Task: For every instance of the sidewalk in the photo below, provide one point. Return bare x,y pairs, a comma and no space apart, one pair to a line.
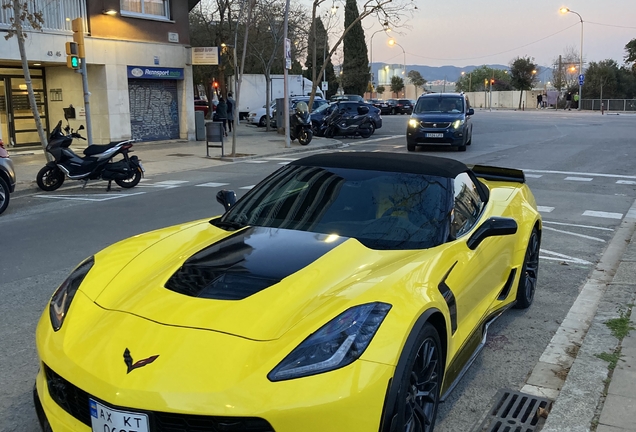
163,157
599,393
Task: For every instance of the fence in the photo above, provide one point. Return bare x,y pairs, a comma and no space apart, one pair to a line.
57,14
609,104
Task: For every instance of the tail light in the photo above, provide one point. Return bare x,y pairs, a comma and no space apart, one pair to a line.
126,146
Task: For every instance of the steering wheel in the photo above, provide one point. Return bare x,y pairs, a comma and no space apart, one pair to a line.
393,209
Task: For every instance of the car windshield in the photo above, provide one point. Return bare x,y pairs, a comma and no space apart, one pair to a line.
382,210
322,108
442,104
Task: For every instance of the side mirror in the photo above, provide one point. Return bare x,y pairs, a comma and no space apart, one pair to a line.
80,128
471,111
494,226
227,198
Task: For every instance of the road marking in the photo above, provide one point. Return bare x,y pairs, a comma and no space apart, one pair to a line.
171,182
578,178
560,257
247,187
579,226
575,234
284,163
579,173
544,209
387,138
95,198
602,214
255,161
533,175
398,146
212,184
626,182
281,159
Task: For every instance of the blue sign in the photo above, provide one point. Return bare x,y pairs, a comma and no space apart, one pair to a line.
581,79
144,72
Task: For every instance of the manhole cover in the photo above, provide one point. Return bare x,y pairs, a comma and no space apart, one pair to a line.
515,412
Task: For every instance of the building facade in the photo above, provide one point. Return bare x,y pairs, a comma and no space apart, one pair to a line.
138,66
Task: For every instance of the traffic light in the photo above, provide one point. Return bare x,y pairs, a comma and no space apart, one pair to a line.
492,81
72,58
215,85
78,36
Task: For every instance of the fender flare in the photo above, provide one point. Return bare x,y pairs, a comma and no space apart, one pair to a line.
392,389
51,164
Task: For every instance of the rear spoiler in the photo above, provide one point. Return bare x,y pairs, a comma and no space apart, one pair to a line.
498,173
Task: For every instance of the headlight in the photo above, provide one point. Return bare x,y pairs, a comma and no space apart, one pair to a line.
413,123
63,296
457,124
336,344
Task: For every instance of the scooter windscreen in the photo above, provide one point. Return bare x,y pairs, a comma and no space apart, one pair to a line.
301,108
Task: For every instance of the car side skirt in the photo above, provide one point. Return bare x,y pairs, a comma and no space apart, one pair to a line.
469,352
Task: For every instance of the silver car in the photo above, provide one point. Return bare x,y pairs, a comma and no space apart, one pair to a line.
7,178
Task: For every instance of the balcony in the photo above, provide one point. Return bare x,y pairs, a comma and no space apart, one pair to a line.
57,14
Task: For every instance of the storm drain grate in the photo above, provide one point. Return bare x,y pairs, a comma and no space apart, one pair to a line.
515,412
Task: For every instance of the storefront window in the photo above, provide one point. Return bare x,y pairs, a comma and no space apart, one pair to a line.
146,8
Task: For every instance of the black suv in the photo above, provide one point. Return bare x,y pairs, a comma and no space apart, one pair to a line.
440,118
399,106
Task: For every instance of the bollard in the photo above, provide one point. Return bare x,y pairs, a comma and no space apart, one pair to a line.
523,106
602,108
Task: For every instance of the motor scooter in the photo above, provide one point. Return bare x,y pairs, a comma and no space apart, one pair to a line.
97,163
340,123
300,124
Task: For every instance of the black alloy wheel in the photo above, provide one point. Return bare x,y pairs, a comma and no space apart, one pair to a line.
420,386
529,272
49,178
4,195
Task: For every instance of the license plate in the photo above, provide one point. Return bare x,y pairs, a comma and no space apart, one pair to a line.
105,419
434,135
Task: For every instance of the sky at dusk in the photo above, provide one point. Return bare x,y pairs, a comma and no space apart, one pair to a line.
465,32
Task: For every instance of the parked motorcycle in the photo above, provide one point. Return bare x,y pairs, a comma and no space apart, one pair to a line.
7,178
96,164
300,124
339,122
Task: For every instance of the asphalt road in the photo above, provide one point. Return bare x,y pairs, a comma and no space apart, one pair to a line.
579,166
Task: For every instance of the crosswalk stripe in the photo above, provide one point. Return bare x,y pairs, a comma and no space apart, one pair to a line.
544,209
626,182
533,175
212,184
585,179
247,187
601,214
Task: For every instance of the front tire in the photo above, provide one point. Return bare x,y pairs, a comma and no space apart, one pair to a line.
131,181
4,195
262,122
50,178
410,146
529,272
420,385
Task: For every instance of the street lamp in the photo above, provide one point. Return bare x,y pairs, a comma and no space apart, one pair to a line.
565,10
386,29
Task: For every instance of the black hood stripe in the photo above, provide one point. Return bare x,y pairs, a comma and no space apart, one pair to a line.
249,261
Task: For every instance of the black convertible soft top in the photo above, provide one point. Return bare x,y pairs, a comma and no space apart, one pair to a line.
391,162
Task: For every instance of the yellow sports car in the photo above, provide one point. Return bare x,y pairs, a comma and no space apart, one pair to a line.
347,292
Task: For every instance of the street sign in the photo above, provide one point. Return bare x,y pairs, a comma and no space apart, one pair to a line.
581,79
325,86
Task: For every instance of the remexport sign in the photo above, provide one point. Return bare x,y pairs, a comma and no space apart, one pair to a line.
143,72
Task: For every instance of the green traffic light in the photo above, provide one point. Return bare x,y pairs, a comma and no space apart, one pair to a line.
75,62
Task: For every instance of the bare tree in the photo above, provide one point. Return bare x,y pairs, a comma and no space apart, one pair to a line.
23,18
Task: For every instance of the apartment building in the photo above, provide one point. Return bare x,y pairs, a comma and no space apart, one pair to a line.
138,67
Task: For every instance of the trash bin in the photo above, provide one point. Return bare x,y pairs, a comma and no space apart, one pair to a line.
214,134
199,125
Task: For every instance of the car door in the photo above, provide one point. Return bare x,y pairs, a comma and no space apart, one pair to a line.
477,276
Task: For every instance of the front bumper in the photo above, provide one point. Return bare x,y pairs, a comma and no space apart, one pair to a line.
199,375
420,135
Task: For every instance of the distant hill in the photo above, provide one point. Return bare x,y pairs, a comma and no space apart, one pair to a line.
431,73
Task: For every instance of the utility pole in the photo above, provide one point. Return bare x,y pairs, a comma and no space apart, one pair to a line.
286,84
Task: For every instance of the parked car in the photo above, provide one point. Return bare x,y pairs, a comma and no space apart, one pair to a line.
202,105
318,102
318,116
259,117
441,118
399,106
7,178
347,97
381,105
346,291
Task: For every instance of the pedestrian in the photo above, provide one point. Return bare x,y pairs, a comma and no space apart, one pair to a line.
576,100
568,102
221,111
539,101
230,111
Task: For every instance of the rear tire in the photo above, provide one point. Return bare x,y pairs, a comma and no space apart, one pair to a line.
365,133
132,181
4,195
529,272
50,178
372,127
